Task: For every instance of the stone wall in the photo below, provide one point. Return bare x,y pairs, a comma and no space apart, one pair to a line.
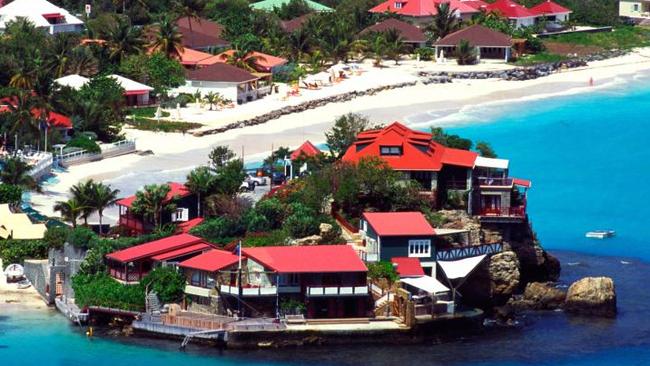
38,273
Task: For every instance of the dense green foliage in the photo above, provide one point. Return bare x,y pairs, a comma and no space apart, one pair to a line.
149,124
448,140
620,38
167,282
81,237
56,236
15,172
382,270
102,290
10,194
16,251
344,132
485,149
85,143
157,70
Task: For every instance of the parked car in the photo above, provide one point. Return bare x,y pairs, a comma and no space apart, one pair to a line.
257,180
278,178
246,186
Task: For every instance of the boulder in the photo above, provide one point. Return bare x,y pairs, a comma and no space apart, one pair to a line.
592,296
325,228
540,296
536,264
308,240
504,274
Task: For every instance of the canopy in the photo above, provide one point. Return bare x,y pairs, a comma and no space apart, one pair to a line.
18,225
491,163
460,268
427,284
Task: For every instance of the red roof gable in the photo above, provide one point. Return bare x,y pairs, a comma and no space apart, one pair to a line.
54,119
399,223
176,190
185,227
307,149
510,9
421,8
408,32
182,252
263,62
408,267
153,248
418,150
307,258
211,261
548,8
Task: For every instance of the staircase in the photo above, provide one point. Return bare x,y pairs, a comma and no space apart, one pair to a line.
153,306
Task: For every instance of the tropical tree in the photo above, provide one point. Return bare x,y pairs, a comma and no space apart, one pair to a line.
167,39
59,51
465,53
15,171
190,9
101,197
445,20
70,210
242,58
201,181
344,132
151,203
81,61
219,156
123,39
376,47
211,98
20,121
82,193
395,46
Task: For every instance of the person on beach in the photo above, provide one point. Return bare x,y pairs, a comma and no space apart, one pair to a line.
591,81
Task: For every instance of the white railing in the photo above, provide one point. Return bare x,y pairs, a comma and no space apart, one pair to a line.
43,163
337,291
123,146
249,291
120,145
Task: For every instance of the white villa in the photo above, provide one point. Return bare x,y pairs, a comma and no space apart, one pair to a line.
230,82
136,94
636,9
43,14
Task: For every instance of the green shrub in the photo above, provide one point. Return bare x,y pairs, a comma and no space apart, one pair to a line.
219,230
271,209
539,58
81,237
167,282
149,112
102,290
84,143
301,222
16,251
289,73
426,53
147,124
10,194
382,270
56,236
276,237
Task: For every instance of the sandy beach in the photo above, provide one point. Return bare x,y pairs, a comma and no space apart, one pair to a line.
175,154
12,298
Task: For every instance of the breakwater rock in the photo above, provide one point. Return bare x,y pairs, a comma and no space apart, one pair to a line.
521,73
302,107
592,296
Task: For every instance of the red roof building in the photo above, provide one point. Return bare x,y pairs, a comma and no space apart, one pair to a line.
54,119
399,223
518,14
490,43
211,261
306,149
263,62
204,34
132,264
422,11
408,267
176,190
551,10
307,258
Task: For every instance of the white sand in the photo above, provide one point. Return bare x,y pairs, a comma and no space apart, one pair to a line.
13,299
176,154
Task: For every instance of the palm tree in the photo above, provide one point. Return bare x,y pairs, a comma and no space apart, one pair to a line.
465,53
376,47
445,20
70,210
395,46
23,123
201,181
212,98
123,39
82,62
152,202
58,53
242,58
82,193
167,38
190,9
15,172
101,197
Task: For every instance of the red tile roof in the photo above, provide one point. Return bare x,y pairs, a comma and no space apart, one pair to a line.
399,223
205,33
185,227
408,32
306,149
549,8
263,62
295,23
408,267
177,190
307,258
190,57
200,247
477,35
421,8
220,72
54,119
153,248
510,9
476,4
211,261
419,152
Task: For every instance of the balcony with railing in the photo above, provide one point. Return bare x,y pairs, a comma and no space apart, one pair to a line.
320,291
494,182
515,212
127,276
249,290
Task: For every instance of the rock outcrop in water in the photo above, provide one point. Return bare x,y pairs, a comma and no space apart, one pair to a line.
539,296
504,274
592,296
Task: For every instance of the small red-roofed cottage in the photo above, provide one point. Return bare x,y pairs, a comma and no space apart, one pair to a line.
329,280
409,33
186,210
408,267
130,265
551,11
421,12
301,154
519,15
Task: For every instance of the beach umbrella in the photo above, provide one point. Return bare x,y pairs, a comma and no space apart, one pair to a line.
158,113
178,111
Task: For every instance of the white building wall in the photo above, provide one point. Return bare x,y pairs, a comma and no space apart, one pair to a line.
227,90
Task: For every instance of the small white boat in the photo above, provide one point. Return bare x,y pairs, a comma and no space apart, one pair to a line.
14,272
600,234
23,284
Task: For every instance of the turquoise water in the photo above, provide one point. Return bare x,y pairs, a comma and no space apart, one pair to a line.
589,162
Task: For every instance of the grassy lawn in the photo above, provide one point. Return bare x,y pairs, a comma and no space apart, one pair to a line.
539,58
149,112
620,38
147,124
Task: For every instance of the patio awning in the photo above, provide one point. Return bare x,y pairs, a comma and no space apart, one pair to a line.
522,182
460,268
443,231
427,284
491,163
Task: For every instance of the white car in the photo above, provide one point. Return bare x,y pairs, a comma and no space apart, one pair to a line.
247,186
257,181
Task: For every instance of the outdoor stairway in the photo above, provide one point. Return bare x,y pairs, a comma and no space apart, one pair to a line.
153,306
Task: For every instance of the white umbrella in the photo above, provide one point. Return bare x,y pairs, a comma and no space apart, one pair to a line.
158,113
178,111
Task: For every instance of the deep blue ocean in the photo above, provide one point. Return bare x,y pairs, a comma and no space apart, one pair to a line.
589,160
